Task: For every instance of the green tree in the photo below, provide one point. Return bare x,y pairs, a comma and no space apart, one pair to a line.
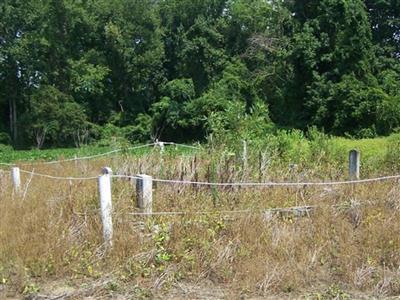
169,118
193,44
14,15
55,118
180,69
332,44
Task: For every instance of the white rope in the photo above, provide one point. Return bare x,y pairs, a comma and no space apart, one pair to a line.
225,212
180,145
125,176
264,212
101,154
225,184
182,213
89,157
265,184
76,158
57,177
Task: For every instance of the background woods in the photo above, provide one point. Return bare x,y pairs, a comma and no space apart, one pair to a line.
72,72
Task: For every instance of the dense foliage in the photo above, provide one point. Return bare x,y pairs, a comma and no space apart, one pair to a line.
74,71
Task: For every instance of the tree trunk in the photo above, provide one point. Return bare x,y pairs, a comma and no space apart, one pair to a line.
13,119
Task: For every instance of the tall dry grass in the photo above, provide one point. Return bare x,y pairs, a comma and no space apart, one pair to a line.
350,242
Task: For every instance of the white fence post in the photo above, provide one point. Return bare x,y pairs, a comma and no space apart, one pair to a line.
354,165
16,178
244,160
244,153
144,193
161,144
104,182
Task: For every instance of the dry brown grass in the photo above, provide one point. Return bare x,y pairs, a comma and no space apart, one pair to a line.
52,230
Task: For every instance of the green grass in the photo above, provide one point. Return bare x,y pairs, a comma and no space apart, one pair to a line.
368,147
8,155
373,152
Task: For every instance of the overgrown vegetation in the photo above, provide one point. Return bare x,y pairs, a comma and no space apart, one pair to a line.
349,245
182,69
275,91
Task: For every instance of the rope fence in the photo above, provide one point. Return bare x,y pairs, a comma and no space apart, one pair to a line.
58,177
160,144
217,184
144,191
264,184
306,208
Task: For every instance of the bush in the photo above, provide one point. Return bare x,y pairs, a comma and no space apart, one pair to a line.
114,136
5,148
321,145
5,138
234,124
392,157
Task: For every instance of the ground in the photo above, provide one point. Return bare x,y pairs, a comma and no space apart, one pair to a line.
205,290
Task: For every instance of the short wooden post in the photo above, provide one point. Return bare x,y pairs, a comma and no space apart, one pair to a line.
354,165
144,193
104,182
16,178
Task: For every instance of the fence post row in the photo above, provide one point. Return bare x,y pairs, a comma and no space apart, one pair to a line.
104,183
144,190
16,178
354,165
144,193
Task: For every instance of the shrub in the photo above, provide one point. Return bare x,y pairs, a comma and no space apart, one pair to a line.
5,148
392,157
114,136
4,138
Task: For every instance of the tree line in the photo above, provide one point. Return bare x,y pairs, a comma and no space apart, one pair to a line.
75,71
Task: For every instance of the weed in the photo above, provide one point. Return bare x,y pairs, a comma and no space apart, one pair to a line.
31,288
352,237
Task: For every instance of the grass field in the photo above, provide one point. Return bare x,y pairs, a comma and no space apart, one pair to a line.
369,147
347,247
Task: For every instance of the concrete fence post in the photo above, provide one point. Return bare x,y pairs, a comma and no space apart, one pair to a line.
104,183
354,165
16,178
144,193
159,144
244,142
244,162
162,147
